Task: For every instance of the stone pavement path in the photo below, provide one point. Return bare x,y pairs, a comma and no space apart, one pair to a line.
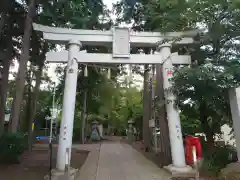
118,161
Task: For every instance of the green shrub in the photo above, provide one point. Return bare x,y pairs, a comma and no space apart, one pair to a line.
209,166
219,159
221,156
12,145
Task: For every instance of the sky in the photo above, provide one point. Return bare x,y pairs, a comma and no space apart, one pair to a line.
109,3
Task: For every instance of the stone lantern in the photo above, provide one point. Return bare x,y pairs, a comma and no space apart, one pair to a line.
130,131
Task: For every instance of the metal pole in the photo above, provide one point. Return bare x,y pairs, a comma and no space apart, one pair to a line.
53,107
50,167
50,136
83,115
130,76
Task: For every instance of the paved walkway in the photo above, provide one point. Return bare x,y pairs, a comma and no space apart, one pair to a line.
117,161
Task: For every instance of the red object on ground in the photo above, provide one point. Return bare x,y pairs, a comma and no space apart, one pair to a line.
190,142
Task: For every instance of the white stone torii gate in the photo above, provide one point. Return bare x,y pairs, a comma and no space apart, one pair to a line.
121,39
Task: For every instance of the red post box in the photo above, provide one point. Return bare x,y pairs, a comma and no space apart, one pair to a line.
190,143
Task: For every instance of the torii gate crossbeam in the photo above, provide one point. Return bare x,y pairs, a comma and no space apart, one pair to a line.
83,57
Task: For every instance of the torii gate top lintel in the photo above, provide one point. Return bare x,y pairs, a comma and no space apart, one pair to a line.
121,40
99,37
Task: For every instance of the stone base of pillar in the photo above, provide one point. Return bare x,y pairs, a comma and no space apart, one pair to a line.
60,175
186,171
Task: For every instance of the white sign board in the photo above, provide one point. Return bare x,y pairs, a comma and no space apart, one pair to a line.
152,123
7,117
54,113
121,43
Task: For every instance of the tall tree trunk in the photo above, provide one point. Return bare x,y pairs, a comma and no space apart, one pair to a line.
206,127
83,116
6,61
39,57
146,110
2,23
165,149
20,82
34,107
28,93
4,86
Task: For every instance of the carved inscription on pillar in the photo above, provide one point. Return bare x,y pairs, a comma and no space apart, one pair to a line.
178,127
169,97
70,70
64,132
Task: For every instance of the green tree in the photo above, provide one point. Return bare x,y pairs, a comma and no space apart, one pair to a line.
16,106
10,32
77,14
202,89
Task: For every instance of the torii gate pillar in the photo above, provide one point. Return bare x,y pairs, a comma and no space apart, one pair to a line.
69,98
234,96
174,125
